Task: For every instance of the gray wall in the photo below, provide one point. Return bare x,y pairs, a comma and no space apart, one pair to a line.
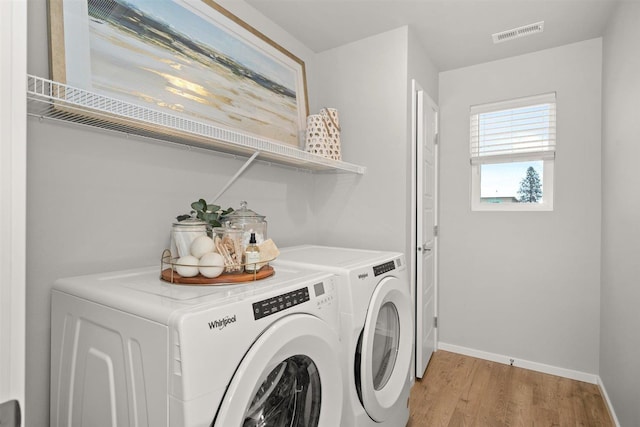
525,284
99,202
368,81
620,317
421,68
369,93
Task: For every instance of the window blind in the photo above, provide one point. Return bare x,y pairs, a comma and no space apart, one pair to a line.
523,128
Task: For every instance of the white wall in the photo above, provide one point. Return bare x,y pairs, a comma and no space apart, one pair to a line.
525,284
99,202
620,346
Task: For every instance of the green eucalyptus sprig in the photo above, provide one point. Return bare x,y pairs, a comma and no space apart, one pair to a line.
208,213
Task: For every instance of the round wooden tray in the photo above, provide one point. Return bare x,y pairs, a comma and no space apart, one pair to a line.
224,279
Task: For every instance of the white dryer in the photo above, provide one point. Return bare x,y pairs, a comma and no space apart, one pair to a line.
128,349
376,329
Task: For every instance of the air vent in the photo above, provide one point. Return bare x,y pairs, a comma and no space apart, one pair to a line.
515,33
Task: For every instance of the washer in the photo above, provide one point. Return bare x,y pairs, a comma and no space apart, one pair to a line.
131,350
376,329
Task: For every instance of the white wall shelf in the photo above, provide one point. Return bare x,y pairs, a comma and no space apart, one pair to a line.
57,101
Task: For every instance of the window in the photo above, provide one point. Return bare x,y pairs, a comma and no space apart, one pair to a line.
512,154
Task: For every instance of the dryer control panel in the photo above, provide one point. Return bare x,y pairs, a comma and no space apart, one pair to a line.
383,268
278,303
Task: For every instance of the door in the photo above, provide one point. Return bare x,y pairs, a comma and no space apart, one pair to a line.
291,376
425,292
13,115
386,348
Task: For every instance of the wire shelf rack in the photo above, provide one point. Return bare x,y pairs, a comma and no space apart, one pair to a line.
61,102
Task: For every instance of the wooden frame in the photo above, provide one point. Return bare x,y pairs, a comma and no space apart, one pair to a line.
190,58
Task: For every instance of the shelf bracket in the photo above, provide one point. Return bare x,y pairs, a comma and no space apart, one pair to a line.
234,177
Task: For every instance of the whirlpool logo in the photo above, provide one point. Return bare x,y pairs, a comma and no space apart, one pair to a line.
222,323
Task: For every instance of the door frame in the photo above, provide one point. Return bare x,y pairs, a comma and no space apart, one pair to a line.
415,176
13,166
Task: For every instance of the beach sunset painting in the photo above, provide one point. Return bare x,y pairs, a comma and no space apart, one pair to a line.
176,56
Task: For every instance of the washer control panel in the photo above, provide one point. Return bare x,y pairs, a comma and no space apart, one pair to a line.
323,298
278,303
383,268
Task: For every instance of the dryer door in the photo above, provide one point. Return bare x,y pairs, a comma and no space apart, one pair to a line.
290,376
386,348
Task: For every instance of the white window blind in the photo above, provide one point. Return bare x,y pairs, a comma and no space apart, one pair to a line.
512,130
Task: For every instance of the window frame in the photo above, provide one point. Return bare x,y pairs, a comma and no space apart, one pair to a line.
546,154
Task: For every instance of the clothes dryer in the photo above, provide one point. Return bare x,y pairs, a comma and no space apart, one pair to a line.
131,350
376,329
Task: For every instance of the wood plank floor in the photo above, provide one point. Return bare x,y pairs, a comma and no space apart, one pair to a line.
459,390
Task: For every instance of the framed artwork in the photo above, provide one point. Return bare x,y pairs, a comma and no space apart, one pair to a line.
190,58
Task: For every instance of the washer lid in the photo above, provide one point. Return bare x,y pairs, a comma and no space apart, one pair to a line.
387,344
143,293
291,375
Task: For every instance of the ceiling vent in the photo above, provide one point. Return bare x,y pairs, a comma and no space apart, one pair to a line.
515,33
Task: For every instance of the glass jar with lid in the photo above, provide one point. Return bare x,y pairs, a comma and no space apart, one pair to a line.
249,222
184,232
228,242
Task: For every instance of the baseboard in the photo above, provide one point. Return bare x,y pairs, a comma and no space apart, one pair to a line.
603,391
526,364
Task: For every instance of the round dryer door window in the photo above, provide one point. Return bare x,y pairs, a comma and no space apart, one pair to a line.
290,376
386,340
290,395
385,349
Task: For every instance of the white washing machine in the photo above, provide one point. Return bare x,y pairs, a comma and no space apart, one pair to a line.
376,329
128,349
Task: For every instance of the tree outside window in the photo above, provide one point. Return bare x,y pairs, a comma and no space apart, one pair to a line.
530,189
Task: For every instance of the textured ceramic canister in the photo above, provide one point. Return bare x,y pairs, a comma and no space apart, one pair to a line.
323,134
332,122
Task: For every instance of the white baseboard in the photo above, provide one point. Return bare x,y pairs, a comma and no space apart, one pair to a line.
603,390
526,364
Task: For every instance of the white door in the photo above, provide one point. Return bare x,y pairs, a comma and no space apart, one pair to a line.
426,119
13,116
291,376
386,348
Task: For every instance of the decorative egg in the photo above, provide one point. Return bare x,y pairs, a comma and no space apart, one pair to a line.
202,245
187,266
211,265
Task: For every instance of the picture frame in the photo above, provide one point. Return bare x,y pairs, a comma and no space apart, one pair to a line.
190,58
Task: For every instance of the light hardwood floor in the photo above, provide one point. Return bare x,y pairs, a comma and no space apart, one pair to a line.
459,390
